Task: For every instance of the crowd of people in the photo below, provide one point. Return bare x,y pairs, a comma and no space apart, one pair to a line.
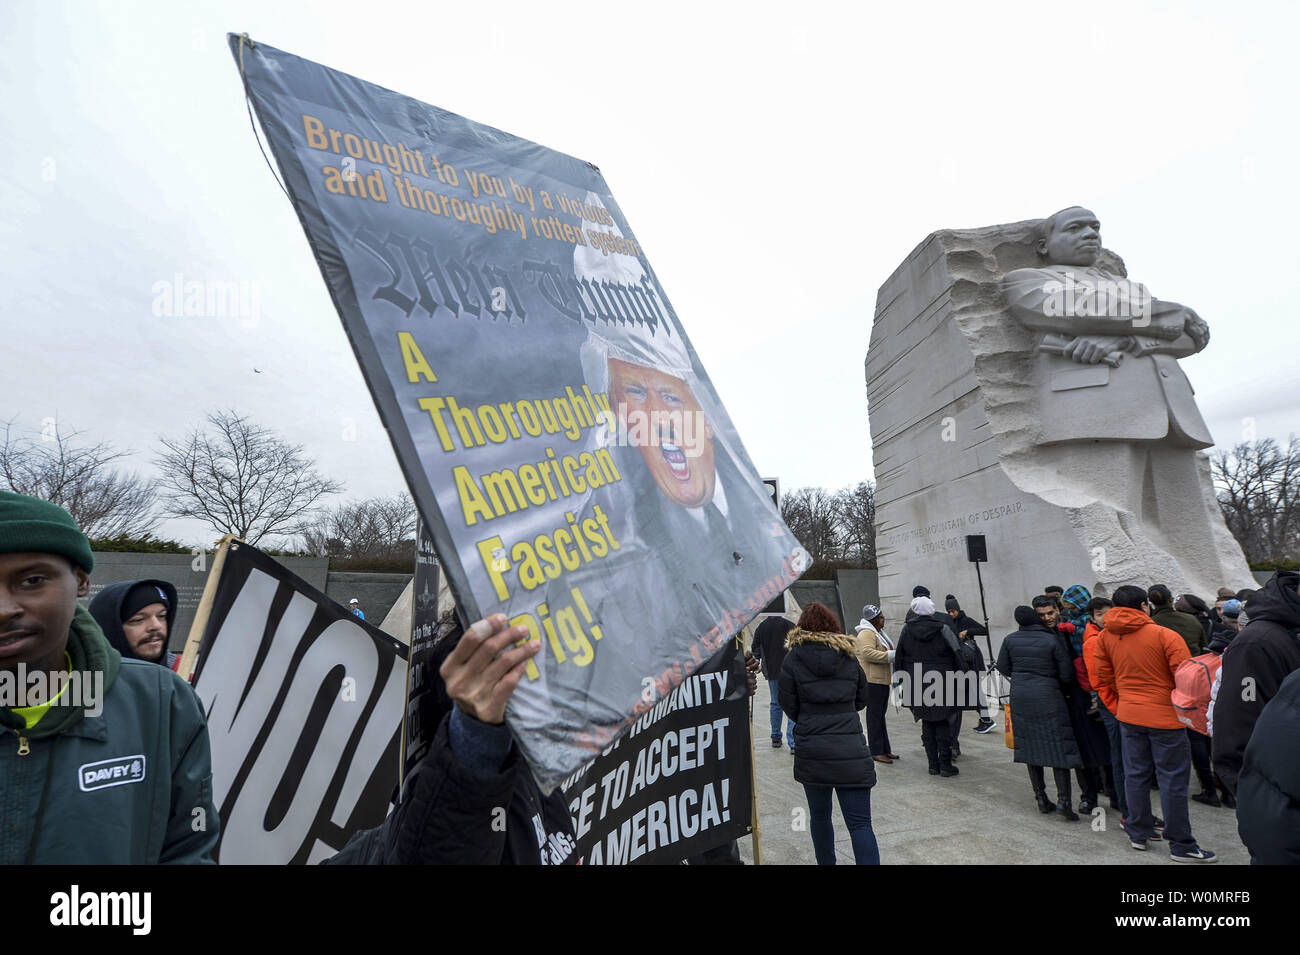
1141,690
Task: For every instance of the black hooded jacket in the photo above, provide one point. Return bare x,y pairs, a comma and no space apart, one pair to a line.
1254,666
922,649
1268,790
106,608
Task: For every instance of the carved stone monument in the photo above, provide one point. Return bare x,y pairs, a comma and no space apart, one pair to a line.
1021,387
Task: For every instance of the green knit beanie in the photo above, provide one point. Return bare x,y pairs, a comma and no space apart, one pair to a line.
30,524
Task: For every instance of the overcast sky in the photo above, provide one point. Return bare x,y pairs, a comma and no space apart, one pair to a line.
776,161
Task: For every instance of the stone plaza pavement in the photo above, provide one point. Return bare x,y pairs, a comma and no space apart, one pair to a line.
985,815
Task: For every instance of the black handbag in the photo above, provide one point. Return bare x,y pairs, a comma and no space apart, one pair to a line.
968,657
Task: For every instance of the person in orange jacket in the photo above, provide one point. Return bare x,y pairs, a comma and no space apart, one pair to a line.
1135,659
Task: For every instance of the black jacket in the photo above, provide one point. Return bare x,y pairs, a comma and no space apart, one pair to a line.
448,814
1268,790
1039,669
106,608
965,622
1221,637
922,650
1254,666
821,689
1089,732
769,645
973,629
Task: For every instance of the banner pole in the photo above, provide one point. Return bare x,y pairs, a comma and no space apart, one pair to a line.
410,654
756,830
200,623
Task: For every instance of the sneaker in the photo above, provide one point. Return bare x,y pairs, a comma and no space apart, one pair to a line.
1140,846
1159,824
950,771
776,742
985,725
1208,799
1196,855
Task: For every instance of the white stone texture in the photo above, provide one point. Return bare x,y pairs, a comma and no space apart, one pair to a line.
952,385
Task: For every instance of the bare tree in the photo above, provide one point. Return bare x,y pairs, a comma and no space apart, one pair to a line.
241,478
857,508
1258,487
812,514
375,527
79,477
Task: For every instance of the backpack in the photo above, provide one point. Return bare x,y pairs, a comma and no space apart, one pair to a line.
1191,694
967,656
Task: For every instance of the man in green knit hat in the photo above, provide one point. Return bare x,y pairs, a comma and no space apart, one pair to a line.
102,760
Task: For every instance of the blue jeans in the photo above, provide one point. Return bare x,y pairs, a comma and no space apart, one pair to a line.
777,713
1165,753
1116,758
855,804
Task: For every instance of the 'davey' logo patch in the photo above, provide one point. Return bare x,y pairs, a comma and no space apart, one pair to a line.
111,772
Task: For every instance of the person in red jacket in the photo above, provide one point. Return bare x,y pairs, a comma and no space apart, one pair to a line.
1135,660
1097,609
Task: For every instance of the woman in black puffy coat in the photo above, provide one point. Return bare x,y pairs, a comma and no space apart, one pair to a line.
821,689
1037,665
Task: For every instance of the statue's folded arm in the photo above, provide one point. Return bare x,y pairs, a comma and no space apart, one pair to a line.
1041,301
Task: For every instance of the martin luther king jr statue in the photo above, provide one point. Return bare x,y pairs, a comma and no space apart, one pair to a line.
1021,386
1119,419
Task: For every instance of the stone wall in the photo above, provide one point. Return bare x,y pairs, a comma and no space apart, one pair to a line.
189,575
855,588
376,592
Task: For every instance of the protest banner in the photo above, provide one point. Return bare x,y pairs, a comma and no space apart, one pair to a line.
304,709
679,782
556,428
416,737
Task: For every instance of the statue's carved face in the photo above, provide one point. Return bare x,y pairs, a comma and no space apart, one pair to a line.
1075,239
